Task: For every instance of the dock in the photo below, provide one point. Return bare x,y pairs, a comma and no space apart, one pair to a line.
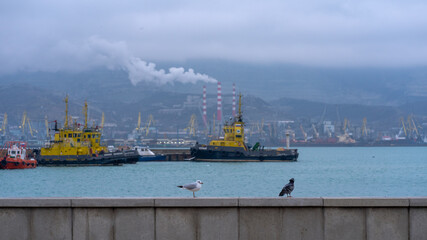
173,154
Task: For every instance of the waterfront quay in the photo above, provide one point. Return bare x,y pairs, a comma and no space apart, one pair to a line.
213,218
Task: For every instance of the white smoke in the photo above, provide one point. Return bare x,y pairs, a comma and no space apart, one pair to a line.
116,55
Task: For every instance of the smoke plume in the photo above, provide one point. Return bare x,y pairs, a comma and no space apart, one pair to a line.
116,55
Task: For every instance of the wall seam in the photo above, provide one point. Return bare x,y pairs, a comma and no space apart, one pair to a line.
409,222
72,223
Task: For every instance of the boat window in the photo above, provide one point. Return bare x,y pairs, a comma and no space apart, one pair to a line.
238,136
79,135
65,135
75,135
13,152
96,140
70,135
88,136
93,135
78,139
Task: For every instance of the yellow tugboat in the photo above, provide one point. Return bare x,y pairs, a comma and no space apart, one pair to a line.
234,149
76,145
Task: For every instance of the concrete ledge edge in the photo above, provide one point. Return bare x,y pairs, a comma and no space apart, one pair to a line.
213,202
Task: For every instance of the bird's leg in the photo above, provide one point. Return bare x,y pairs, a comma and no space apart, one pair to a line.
194,196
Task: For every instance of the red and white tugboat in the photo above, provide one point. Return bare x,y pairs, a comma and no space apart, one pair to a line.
16,157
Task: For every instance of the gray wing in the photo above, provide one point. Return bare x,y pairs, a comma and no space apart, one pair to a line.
190,186
287,189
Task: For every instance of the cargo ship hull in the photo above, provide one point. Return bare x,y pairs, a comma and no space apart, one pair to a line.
228,154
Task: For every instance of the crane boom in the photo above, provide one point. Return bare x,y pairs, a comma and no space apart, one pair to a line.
138,126
3,127
46,123
29,127
24,118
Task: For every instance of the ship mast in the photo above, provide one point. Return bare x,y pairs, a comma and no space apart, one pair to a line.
85,113
66,111
240,108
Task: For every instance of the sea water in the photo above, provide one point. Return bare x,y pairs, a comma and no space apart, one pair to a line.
319,172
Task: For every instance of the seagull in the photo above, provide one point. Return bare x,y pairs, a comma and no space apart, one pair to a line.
288,188
194,187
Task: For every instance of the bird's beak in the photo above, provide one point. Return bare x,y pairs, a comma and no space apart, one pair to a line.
201,182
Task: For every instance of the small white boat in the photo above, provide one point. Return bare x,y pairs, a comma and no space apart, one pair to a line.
145,154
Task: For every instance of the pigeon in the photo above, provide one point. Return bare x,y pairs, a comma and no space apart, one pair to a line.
288,188
194,187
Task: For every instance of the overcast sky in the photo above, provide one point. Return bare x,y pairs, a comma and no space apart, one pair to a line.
52,35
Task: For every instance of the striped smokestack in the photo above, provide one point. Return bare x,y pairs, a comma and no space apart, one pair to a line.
205,119
219,102
234,99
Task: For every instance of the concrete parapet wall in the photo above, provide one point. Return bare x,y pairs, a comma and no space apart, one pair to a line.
213,218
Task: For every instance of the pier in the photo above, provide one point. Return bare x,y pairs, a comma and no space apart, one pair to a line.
213,218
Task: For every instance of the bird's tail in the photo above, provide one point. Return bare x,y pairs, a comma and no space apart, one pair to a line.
180,186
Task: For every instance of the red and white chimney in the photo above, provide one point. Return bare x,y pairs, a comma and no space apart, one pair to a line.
205,119
219,104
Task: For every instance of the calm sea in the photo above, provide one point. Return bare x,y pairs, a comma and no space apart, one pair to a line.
319,172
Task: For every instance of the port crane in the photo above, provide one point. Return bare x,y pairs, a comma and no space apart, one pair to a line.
24,119
102,120
364,130
46,123
3,127
147,128
303,132
192,126
138,126
316,133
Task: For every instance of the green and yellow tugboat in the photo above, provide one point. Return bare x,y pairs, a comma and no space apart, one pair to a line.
234,149
76,145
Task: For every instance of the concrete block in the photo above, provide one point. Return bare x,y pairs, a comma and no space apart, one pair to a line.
15,223
80,224
261,223
418,202
51,223
281,223
112,202
93,223
418,223
366,202
196,223
303,223
218,223
345,223
387,223
280,202
176,223
134,223
196,202
35,202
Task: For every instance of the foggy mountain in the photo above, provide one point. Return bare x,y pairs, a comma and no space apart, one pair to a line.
275,92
